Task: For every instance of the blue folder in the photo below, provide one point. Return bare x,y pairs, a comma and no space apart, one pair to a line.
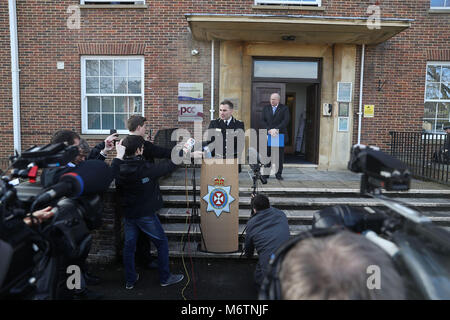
277,141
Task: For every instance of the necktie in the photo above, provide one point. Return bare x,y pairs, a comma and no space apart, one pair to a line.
274,109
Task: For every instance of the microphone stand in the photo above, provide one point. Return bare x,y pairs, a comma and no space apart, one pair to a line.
195,217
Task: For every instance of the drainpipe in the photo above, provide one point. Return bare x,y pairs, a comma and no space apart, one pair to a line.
361,81
212,81
15,74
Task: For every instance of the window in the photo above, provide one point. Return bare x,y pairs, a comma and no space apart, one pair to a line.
292,2
437,96
112,89
112,2
285,69
440,4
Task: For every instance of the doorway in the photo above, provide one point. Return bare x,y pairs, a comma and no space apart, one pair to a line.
297,81
302,99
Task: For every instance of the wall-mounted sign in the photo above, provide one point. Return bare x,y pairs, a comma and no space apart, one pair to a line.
190,112
190,91
369,111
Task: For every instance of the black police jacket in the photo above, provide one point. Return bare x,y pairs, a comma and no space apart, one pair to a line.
138,186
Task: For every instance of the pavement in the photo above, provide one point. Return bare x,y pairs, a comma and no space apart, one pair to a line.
204,279
295,176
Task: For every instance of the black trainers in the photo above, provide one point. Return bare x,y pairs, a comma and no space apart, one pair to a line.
129,285
174,278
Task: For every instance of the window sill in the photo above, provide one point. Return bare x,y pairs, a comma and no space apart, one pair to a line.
439,11
277,7
114,6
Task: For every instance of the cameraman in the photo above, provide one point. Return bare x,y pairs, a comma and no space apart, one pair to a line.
337,267
267,230
50,176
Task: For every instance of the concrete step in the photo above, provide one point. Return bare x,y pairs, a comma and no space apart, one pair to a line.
295,192
179,215
315,203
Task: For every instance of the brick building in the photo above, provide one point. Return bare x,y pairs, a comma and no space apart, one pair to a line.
87,65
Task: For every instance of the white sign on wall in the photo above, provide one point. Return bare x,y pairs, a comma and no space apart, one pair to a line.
190,91
190,112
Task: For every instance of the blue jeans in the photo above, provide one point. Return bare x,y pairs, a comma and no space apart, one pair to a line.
152,227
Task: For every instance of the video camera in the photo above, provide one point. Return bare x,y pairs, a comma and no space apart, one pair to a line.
419,249
256,168
31,255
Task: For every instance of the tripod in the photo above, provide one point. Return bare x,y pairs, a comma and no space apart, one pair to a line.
195,218
255,178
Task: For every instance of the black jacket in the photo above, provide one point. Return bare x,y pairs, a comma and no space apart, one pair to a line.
137,185
267,230
234,125
279,120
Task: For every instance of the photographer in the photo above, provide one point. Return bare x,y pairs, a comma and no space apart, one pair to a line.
50,176
137,185
267,230
336,267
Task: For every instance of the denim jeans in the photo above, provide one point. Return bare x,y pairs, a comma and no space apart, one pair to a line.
152,227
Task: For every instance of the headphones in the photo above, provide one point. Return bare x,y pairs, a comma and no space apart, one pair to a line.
271,287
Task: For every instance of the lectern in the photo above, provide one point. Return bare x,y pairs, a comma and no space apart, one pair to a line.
219,205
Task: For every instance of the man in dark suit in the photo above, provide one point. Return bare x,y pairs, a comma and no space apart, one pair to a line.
275,118
227,123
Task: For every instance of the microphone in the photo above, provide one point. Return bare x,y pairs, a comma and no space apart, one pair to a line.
90,176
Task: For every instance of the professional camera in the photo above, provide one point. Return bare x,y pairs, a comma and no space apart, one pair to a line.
256,168
33,255
419,249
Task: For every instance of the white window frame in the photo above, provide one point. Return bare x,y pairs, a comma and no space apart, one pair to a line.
436,63
445,7
84,95
86,2
287,2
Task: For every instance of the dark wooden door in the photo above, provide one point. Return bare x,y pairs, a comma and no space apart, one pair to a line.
261,92
312,123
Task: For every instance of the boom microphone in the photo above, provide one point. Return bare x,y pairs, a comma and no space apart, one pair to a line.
91,176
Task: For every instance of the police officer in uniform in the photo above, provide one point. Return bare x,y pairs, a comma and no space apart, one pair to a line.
225,122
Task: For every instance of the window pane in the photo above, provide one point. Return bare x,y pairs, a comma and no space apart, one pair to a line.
134,85
286,69
430,110
433,91
134,68
94,121
445,91
121,120
106,68
106,85
445,71
135,105
437,3
444,111
120,68
93,104
120,104
343,109
107,104
428,125
440,124
107,121
434,73
120,85
91,84
92,68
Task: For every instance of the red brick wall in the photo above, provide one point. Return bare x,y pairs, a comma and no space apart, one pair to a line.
50,98
6,115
